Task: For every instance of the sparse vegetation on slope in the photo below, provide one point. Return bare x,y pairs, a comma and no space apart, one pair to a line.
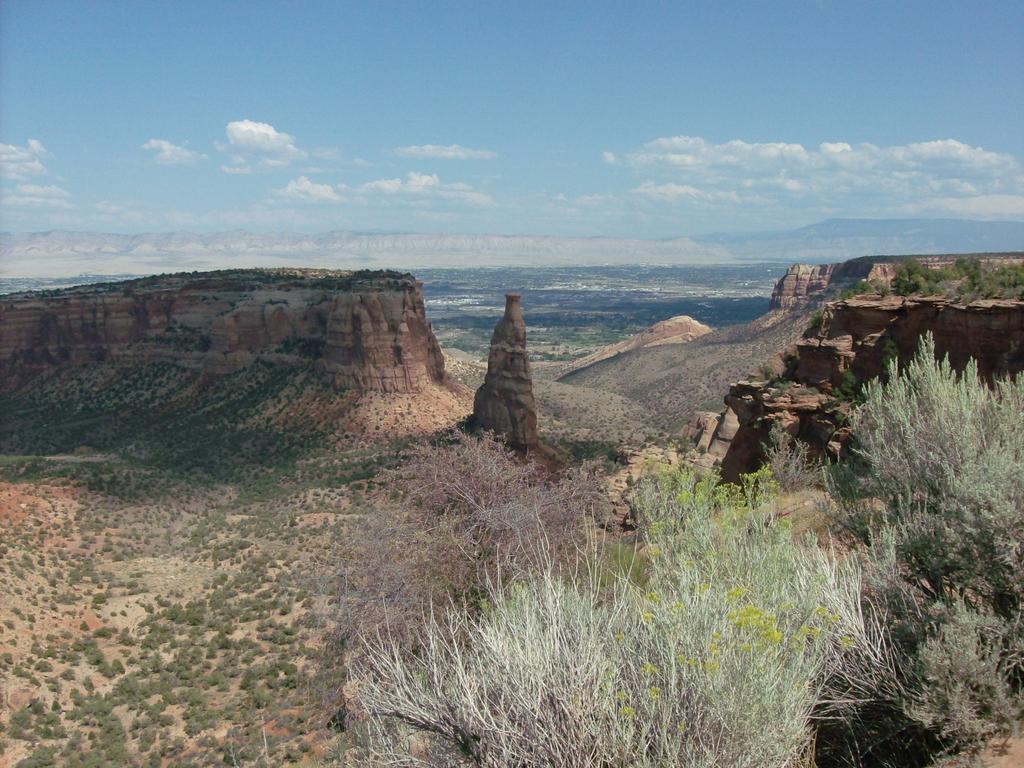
672,382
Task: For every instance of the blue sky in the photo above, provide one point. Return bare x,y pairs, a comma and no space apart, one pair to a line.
625,119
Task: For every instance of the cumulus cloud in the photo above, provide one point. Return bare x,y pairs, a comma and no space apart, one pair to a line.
166,153
21,163
304,189
253,145
447,152
37,196
848,178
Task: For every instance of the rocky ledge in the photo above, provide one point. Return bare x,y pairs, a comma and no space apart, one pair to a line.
811,383
366,331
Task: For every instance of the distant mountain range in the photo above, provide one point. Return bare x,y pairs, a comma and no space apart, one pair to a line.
63,254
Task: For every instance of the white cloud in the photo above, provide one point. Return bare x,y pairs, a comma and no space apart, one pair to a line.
251,136
21,163
167,153
413,182
609,157
253,145
425,185
670,191
388,186
840,177
448,152
37,196
419,190
304,189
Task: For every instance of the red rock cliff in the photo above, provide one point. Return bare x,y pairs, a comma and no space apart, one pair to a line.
803,283
364,330
858,336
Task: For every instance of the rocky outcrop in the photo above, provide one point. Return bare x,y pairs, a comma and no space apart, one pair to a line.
712,433
803,284
676,330
504,403
365,331
853,343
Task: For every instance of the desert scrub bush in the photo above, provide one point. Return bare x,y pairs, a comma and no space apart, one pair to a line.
789,460
936,494
466,510
739,638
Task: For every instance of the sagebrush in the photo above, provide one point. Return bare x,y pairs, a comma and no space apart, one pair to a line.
936,497
738,640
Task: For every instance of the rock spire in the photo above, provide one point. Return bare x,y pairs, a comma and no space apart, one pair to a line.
504,403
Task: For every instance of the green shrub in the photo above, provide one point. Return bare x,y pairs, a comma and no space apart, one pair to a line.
850,389
911,278
966,279
815,321
738,639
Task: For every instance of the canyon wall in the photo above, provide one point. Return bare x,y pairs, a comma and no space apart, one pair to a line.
364,330
855,339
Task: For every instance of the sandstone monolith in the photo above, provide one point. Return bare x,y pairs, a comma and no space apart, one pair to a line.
504,403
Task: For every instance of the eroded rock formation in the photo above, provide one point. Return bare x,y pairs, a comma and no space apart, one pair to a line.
366,331
803,283
504,403
853,343
712,433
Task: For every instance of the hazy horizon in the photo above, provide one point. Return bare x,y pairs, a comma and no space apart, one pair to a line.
63,254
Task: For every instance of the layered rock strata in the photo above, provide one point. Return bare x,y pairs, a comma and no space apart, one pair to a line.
364,330
804,283
854,342
504,403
